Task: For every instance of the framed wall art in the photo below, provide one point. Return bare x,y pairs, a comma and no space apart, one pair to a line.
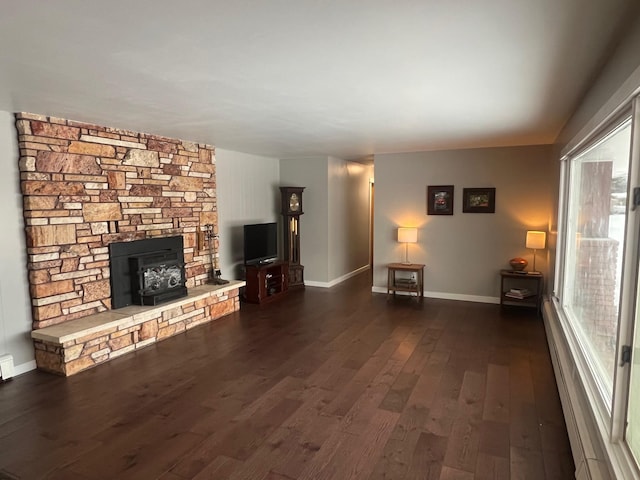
440,200
479,200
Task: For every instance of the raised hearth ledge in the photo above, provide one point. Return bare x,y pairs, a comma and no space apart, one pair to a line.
77,345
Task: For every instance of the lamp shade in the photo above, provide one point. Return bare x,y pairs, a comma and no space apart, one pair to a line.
407,235
536,239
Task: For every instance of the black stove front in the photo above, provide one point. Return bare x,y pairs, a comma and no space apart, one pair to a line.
147,272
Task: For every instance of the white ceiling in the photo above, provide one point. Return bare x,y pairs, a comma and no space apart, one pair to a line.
347,78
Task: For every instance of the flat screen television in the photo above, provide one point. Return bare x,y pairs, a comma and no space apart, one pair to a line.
260,243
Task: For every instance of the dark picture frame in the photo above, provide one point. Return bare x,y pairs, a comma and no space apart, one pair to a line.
440,200
479,200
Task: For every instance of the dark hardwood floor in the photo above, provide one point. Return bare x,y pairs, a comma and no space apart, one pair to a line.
323,384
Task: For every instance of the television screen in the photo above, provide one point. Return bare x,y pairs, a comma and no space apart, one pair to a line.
260,243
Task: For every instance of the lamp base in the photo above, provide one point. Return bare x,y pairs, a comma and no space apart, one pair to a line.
406,255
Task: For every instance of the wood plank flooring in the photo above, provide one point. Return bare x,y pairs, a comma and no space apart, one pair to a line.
323,384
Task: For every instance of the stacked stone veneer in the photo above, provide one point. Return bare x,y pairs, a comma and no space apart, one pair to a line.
85,186
71,347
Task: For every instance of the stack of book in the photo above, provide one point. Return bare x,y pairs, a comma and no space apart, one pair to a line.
519,293
405,282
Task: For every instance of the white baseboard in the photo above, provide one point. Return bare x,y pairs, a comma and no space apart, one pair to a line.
333,283
462,297
25,367
565,382
446,296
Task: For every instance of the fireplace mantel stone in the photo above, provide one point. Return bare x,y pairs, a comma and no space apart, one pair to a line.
87,186
77,345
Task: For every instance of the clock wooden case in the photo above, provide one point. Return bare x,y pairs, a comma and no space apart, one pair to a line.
291,211
292,200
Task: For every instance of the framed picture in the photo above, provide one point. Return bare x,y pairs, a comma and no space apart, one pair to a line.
440,200
479,200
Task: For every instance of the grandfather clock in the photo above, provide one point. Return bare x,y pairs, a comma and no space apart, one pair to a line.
291,211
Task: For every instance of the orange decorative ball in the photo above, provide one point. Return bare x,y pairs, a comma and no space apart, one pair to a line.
518,264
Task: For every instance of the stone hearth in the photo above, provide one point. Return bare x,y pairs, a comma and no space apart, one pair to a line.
74,346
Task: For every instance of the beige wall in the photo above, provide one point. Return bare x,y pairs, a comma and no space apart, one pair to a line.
619,67
348,216
15,311
618,78
312,174
463,252
334,228
247,191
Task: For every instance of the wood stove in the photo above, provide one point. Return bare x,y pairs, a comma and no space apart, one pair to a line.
156,277
147,272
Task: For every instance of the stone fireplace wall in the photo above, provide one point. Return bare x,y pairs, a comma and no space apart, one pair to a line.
85,186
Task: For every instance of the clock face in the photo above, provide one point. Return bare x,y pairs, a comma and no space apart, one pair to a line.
294,203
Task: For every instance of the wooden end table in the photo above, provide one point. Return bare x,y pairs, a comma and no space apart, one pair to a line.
533,282
396,285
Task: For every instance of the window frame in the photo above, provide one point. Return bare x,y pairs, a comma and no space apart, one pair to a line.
629,296
610,418
597,377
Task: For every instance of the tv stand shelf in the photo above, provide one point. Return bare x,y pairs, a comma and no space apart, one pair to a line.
266,282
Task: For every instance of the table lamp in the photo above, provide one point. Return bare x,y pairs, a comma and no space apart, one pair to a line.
535,240
407,235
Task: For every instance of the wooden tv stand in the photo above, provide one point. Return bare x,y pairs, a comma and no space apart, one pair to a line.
266,283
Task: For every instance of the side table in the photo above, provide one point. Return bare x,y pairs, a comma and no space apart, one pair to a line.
532,282
400,285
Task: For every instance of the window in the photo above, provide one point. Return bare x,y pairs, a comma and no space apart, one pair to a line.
596,304
594,246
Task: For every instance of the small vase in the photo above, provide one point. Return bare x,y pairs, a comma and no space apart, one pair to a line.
518,264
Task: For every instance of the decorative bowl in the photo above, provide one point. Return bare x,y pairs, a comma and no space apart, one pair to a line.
518,264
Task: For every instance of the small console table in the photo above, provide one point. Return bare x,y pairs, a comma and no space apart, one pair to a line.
395,284
266,283
533,282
